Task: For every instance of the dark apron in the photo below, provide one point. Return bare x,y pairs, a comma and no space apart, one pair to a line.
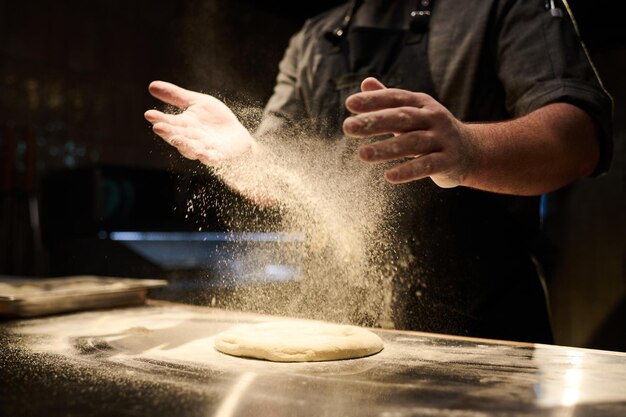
461,267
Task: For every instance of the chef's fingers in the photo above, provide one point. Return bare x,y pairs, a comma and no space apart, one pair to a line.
407,145
168,131
173,94
155,116
385,98
380,122
164,130
372,84
194,150
187,148
183,139
417,168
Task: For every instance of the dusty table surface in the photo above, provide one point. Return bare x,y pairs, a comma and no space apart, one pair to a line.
159,359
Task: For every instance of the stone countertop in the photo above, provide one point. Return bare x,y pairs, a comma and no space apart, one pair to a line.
158,359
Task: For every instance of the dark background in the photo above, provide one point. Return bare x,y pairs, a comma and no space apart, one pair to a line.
74,144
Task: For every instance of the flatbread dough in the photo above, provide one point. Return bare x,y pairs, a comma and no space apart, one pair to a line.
298,341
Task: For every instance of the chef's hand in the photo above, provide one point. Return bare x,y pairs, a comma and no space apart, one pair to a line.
436,144
206,129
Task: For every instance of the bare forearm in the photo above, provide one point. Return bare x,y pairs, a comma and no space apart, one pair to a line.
537,153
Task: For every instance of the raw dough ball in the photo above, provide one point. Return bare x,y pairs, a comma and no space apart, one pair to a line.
298,341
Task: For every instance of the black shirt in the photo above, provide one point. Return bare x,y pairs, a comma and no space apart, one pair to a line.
490,60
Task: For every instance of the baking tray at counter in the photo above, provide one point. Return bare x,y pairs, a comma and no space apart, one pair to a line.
44,296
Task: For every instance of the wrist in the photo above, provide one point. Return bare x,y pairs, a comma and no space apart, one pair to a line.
471,161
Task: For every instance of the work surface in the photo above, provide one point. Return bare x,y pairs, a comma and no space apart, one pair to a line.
159,360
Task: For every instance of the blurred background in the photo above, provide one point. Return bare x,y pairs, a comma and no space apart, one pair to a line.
86,187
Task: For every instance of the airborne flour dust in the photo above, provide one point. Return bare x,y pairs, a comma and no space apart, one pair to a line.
339,205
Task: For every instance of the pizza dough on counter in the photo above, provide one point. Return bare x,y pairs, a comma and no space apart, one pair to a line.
298,341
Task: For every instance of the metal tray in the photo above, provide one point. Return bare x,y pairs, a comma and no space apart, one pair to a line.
38,297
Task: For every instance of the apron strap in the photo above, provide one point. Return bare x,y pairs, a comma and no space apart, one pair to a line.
419,23
420,17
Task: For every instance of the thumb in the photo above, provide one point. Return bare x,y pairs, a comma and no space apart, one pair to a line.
372,84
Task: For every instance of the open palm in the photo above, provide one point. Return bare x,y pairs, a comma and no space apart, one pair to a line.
206,130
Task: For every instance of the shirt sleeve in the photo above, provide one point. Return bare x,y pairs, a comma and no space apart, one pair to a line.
542,60
285,106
